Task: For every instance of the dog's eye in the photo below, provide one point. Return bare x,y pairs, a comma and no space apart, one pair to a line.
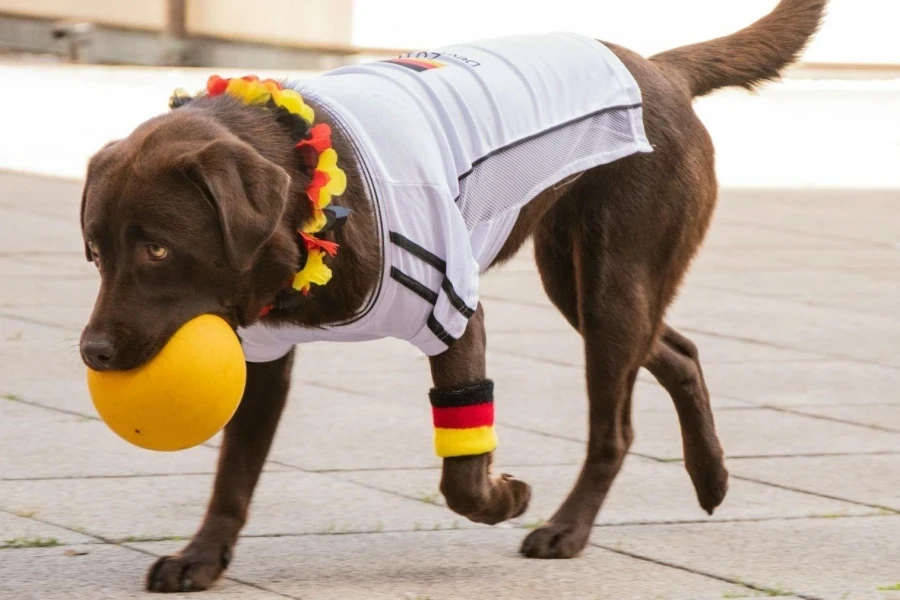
157,252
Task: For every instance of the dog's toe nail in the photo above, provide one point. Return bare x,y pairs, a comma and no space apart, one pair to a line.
186,584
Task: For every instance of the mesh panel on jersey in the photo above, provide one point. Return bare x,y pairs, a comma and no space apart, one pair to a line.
507,179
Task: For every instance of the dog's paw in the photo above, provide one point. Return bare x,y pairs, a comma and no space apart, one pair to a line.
711,485
520,494
192,571
508,499
555,540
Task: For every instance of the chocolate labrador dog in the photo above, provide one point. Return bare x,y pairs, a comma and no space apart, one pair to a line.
197,211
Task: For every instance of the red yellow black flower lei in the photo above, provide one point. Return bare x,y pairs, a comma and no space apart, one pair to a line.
328,180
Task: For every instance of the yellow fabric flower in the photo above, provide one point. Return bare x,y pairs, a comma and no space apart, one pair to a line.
294,104
319,221
337,179
315,271
251,92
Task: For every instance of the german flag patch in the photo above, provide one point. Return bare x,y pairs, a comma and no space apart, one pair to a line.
416,64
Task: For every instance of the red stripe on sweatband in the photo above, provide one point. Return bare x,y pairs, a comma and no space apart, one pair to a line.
463,417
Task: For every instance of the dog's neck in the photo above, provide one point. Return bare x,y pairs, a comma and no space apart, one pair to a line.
357,267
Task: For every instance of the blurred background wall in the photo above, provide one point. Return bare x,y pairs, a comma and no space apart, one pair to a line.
318,33
831,123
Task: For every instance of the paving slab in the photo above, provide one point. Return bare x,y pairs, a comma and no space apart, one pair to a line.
870,479
735,233
798,283
159,507
565,346
24,529
523,387
94,572
358,362
60,391
833,559
69,317
13,265
42,291
46,196
788,324
17,334
880,259
326,429
450,565
501,316
882,416
41,443
763,433
72,264
644,492
28,232
825,383
826,213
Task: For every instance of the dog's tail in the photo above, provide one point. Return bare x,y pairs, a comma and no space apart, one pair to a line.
750,56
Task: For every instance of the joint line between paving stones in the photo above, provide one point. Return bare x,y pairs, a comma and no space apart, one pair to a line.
240,581
729,580
700,332
35,404
111,542
794,411
801,232
818,494
760,482
85,533
30,321
826,355
789,299
797,455
113,476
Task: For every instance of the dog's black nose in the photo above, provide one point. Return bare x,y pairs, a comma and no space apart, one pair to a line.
98,352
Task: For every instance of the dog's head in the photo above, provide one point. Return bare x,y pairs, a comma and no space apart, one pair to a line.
174,216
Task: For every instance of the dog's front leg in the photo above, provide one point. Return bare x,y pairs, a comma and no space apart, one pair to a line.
246,443
462,398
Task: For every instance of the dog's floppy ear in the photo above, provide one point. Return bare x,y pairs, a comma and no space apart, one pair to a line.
87,249
91,167
248,191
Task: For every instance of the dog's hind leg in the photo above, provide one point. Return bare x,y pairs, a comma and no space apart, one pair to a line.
676,365
246,443
674,362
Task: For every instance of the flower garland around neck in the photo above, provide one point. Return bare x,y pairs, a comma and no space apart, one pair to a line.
327,181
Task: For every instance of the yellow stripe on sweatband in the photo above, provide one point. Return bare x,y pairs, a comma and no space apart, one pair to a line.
464,442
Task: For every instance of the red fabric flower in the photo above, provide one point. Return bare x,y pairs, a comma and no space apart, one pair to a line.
215,85
273,82
319,138
314,243
319,180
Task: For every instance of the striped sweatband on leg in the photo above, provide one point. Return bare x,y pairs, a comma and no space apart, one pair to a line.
464,419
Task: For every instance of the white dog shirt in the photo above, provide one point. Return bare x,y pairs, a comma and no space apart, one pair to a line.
452,144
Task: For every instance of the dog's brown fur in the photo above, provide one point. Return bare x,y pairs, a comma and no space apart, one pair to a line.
219,185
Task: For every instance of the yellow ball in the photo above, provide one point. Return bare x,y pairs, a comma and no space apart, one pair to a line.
182,397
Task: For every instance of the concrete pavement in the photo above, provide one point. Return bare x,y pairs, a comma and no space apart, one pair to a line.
793,303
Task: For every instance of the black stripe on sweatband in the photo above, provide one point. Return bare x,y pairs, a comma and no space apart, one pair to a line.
465,395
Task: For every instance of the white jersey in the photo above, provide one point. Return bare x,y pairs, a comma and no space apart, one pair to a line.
452,144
